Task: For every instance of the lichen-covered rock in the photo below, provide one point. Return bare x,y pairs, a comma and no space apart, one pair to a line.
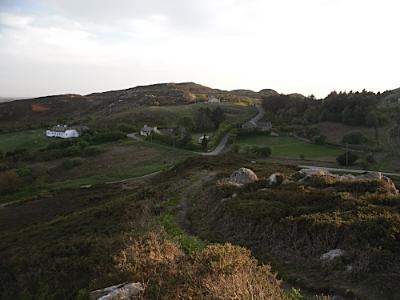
123,291
275,179
371,176
332,254
242,176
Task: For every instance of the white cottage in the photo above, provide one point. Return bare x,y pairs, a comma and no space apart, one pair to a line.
62,131
147,130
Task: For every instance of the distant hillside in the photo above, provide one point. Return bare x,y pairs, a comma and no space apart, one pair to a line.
57,107
8,99
391,95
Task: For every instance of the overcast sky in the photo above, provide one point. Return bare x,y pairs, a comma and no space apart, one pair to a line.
305,46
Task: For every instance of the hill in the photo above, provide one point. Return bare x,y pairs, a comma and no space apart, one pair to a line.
40,111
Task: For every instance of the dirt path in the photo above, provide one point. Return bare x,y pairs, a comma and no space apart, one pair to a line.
190,191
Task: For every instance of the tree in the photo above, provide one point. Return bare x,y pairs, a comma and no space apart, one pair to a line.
346,159
204,142
355,137
202,120
186,122
184,136
217,116
319,139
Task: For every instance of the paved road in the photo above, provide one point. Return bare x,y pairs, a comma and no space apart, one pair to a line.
134,136
222,143
357,171
221,146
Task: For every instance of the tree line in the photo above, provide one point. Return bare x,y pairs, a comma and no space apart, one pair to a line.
351,108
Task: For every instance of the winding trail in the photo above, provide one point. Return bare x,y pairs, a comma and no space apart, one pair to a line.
188,192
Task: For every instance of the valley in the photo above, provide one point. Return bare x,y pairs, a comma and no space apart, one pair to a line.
114,205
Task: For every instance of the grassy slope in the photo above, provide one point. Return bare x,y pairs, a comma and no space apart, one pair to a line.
28,139
289,147
168,115
119,161
72,234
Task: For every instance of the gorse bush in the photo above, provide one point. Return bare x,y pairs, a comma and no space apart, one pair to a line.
216,272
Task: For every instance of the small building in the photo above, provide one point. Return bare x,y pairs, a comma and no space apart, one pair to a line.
200,140
249,125
213,100
63,131
264,126
167,131
147,130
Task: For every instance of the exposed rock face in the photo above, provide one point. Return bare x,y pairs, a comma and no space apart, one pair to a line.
314,172
242,176
275,179
123,291
377,181
332,254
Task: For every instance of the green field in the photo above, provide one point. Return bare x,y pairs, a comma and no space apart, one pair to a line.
28,139
289,147
168,116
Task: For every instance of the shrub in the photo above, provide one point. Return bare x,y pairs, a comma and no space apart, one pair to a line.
91,151
216,272
319,139
347,159
235,148
355,138
127,128
68,163
370,159
264,151
256,151
60,144
24,171
107,137
9,182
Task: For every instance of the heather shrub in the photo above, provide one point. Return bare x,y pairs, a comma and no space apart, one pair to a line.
9,182
216,272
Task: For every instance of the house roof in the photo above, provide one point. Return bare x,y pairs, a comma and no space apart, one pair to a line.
264,123
147,129
64,128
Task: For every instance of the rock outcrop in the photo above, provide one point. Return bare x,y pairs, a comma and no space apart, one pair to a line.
241,177
123,291
369,181
275,179
332,254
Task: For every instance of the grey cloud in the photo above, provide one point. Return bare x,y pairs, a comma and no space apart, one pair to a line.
180,13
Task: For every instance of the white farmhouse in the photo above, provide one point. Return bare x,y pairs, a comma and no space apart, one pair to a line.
147,130
62,131
213,99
